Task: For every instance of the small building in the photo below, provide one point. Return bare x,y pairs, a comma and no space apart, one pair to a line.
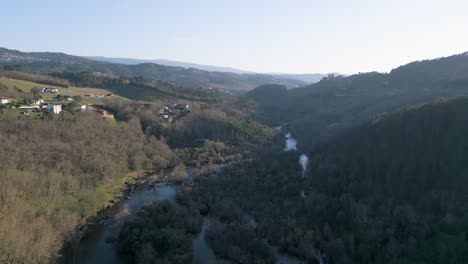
29,107
56,109
171,112
49,90
34,101
5,100
168,118
38,101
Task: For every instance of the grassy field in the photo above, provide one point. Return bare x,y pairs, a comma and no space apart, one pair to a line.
84,92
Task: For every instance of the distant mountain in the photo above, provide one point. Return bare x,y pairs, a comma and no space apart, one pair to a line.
306,78
49,62
187,65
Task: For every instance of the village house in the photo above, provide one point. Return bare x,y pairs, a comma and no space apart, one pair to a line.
5,100
49,90
37,101
34,101
56,109
171,111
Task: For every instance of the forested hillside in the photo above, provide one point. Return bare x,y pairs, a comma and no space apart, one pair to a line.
400,181
58,171
321,110
390,191
380,187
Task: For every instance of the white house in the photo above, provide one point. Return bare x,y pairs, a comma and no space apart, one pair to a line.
49,90
56,109
37,101
5,100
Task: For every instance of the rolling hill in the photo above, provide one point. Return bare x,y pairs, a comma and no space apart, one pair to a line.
49,62
130,61
306,77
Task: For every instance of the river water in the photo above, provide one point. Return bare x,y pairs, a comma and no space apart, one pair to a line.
96,245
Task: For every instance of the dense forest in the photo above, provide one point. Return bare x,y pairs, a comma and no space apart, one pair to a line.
400,182
389,191
215,122
166,234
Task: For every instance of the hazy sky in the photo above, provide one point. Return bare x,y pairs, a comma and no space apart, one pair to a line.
294,36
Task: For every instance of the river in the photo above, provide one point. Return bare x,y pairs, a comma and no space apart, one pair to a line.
96,244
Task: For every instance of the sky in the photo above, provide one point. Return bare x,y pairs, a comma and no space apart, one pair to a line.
289,36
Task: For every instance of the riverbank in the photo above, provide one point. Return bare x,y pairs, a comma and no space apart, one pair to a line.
110,193
96,235
95,244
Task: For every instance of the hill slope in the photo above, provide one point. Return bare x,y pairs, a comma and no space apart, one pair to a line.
400,181
390,191
322,109
47,62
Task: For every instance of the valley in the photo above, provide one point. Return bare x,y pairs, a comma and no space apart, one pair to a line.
366,168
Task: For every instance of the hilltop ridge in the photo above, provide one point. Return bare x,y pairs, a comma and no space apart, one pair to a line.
48,62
